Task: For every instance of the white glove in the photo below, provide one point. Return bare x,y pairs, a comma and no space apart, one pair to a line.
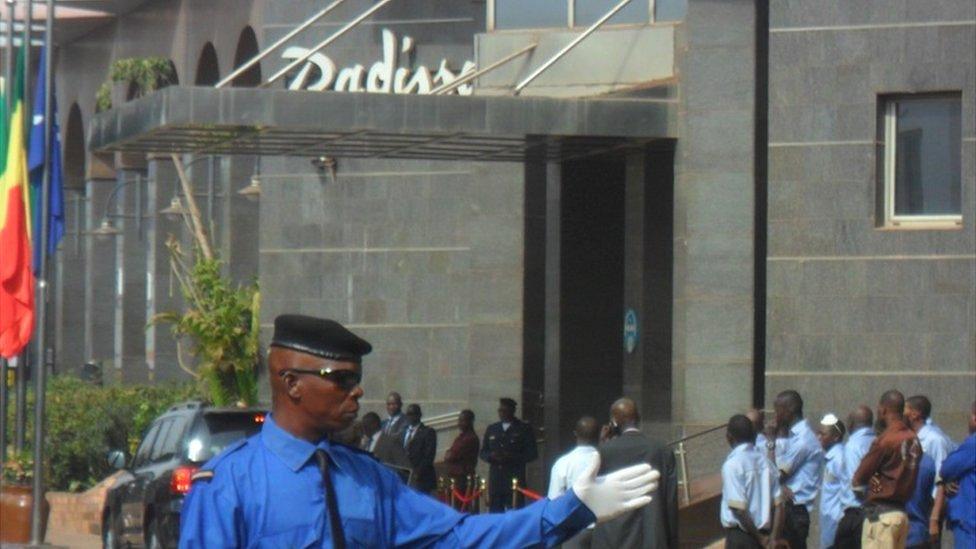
616,493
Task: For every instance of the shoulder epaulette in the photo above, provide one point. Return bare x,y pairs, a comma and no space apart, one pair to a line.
203,474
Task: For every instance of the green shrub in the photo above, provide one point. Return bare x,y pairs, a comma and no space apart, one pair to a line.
85,422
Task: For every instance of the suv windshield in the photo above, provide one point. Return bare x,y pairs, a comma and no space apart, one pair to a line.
218,429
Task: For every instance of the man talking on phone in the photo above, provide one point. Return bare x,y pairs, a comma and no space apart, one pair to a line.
654,526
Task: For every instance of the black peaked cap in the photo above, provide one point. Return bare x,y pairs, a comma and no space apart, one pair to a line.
320,337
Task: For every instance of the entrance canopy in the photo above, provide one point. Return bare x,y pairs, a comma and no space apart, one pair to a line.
438,127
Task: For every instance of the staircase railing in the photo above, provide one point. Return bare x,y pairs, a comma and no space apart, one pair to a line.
684,476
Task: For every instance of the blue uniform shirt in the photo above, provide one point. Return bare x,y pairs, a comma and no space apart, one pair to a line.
935,442
919,507
800,458
857,446
836,483
267,491
749,483
960,466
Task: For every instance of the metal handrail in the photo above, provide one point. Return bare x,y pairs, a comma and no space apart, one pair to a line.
294,32
684,477
315,49
566,49
698,434
443,421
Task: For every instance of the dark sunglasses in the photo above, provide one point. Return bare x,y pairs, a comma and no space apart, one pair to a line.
347,380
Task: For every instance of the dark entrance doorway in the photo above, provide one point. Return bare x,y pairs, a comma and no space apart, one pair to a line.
597,243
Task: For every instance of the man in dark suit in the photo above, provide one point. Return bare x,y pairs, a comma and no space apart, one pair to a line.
386,449
420,442
508,445
655,525
396,422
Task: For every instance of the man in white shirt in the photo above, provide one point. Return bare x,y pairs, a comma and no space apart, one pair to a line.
750,491
571,465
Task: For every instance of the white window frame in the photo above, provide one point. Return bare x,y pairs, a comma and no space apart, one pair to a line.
571,16
893,220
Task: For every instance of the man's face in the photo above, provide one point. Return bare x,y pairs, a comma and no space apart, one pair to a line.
880,423
331,407
505,413
393,405
370,427
413,418
827,436
463,423
783,415
912,415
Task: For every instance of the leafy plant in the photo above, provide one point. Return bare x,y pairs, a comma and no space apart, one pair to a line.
18,468
86,421
220,319
103,97
146,74
222,323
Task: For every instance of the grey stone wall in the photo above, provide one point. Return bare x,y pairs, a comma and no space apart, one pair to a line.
421,258
853,309
713,214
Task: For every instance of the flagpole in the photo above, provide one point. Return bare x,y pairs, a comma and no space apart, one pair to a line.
8,73
7,84
37,535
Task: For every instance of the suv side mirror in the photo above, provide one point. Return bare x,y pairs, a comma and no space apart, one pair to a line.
116,458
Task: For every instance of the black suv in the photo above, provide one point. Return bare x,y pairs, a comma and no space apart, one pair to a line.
143,508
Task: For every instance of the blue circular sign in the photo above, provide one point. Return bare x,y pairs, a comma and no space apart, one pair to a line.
630,330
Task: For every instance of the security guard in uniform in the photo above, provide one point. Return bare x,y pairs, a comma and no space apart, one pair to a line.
509,444
290,486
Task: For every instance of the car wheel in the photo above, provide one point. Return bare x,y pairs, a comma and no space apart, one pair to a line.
110,534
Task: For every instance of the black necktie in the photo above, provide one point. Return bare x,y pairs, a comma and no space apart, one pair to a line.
332,506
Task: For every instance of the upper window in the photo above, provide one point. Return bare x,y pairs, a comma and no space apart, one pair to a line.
537,14
922,160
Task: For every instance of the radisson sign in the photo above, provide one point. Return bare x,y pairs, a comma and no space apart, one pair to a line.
384,76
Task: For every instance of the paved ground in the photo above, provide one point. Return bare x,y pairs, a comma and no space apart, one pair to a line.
74,541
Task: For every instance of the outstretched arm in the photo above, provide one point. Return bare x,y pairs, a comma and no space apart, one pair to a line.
547,522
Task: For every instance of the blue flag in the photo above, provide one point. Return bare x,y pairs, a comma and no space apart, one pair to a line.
35,163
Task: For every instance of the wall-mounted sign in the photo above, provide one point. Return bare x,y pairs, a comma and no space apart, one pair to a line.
630,330
383,76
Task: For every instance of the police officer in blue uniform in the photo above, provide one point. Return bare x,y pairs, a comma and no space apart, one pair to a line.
290,486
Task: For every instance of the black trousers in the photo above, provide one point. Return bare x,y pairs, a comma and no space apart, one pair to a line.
796,526
739,539
849,529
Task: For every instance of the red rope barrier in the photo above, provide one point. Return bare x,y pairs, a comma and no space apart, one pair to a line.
535,496
465,500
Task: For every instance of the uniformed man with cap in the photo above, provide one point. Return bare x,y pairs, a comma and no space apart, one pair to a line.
508,445
289,486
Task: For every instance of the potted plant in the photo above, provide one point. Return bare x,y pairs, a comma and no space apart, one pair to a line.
133,77
17,498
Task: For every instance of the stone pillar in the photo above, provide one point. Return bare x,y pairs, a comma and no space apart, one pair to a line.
99,279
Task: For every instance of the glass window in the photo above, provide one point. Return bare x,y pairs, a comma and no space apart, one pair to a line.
923,151
157,449
670,10
588,12
220,429
531,14
168,443
142,454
